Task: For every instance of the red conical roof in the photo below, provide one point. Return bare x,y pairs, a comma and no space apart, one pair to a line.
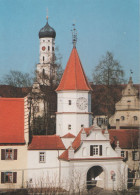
74,77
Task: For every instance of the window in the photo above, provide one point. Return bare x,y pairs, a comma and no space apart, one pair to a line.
42,157
135,118
43,72
95,150
69,102
124,154
9,154
52,48
48,40
135,155
8,177
69,127
48,48
43,58
82,125
122,118
43,40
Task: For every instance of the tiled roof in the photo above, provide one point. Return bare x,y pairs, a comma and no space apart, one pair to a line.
76,144
128,138
74,77
11,120
46,142
69,135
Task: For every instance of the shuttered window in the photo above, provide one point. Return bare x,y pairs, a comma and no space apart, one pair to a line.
8,154
8,177
136,155
95,150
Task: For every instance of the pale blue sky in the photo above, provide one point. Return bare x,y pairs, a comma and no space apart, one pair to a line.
102,25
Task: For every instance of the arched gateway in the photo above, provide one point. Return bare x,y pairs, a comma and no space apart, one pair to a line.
95,177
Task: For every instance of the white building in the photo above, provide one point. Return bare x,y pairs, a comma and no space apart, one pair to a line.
86,157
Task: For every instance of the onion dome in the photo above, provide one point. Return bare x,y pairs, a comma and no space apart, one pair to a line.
47,31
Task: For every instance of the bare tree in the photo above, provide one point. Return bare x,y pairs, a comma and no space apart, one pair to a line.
108,74
17,79
108,71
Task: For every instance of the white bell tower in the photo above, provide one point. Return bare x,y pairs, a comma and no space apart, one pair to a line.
46,69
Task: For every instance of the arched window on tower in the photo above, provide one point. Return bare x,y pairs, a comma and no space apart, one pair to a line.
43,58
43,72
135,118
48,48
122,118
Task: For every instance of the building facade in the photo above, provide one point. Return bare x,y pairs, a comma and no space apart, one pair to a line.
127,114
13,142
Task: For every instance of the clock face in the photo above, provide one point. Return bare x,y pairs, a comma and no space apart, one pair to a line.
82,103
43,48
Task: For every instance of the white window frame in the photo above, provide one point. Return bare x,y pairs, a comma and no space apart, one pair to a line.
42,157
95,150
10,180
136,155
123,154
11,154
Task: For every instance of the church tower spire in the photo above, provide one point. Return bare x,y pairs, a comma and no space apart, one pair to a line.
46,67
73,97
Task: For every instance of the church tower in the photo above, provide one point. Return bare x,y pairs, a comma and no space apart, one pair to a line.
73,97
46,69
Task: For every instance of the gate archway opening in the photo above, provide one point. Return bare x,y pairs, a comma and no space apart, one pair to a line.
95,177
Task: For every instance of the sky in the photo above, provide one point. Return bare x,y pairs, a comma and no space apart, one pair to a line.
102,25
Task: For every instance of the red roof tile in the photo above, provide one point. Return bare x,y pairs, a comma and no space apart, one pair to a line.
46,142
74,77
12,120
69,135
64,155
128,138
76,144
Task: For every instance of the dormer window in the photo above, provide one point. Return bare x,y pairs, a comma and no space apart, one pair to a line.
122,118
69,127
69,101
135,118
